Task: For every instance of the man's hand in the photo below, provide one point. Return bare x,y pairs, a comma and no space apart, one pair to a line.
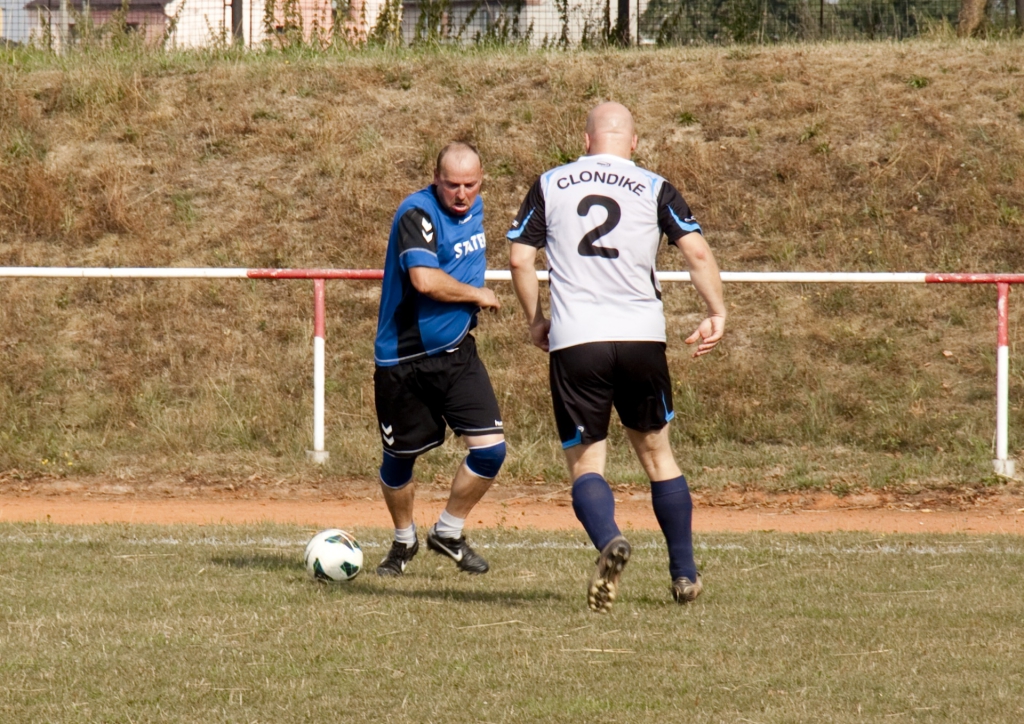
708,332
707,281
539,333
488,299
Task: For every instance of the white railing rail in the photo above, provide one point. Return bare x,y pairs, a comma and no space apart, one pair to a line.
1002,465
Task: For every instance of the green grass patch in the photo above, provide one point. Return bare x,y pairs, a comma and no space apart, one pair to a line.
211,624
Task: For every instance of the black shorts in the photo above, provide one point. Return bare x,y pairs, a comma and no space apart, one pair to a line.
416,399
588,379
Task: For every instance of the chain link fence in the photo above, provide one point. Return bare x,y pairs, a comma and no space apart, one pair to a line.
58,24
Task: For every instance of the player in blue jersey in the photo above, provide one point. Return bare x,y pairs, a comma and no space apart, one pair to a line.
600,220
428,375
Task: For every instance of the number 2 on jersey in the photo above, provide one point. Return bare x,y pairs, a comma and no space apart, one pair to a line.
586,247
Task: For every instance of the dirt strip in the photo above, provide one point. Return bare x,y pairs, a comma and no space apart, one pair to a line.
322,502
521,512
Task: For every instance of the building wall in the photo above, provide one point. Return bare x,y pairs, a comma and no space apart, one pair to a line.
542,15
17,21
150,22
315,17
364,15
202,22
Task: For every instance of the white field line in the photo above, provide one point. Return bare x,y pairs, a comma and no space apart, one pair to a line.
774,547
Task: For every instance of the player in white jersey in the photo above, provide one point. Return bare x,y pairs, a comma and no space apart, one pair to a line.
600,221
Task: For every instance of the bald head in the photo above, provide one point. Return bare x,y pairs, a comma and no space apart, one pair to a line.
610,129
457,155
457,177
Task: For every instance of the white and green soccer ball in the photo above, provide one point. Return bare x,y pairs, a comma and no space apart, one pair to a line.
333,555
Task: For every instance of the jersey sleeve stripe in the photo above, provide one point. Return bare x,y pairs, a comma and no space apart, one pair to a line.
418,257
529,226
687,225
428,252
514,234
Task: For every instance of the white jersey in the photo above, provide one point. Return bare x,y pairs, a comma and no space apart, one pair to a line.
600,221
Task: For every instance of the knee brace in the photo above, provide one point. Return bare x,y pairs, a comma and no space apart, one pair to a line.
395,472
485,461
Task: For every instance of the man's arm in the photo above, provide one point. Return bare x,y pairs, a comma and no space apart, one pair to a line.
527,235
708,283
417,249
522,261
676,220
442,287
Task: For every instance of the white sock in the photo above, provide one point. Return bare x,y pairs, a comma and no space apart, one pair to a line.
406,535
448,526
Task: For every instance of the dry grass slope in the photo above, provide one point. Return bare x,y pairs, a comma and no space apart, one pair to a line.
834,157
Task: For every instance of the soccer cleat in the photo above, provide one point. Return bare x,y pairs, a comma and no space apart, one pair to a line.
459,551
397,559
685,591
604,584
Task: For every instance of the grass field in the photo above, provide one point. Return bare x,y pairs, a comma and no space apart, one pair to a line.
219,624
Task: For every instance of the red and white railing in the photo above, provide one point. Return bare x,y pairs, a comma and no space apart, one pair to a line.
1002,465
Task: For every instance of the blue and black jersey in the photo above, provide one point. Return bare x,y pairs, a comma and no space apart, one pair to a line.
411,324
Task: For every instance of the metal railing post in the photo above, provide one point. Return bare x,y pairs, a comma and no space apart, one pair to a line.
318,454
1002,465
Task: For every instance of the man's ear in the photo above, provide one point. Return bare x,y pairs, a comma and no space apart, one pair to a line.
632,146
586,143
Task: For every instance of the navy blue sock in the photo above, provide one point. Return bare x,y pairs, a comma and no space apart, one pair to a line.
673,508
594,504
